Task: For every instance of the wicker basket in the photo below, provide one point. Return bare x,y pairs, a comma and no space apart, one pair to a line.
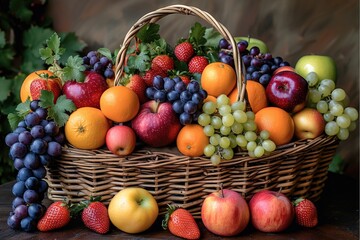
296,169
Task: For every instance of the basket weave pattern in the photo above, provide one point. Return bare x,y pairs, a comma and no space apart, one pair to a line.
296,169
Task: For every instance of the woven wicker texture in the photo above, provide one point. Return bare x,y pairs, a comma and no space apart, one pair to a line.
296,169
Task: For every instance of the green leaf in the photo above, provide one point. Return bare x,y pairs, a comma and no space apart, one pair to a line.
157,47
5,89
212,37
59,111
142,62
149,33
72,44
52,52
13,120
2,39
105,52
197,33
7,55
74,69
35,37
21,10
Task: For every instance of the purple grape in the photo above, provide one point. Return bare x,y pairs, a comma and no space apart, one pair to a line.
42,112
223,43
54,149
44,122
32,161
37,131
13,222
173,96
265,79
23,174
227,59
18,150
35,211
40,172
265,68
28,224
32,119
284,64
180,87
149,92
21,211
256,75
254,51
185,96
34,104
19,130
22,124
190,107
203,93
17,201
242,45
158,82
30,196
60,138
45,159
160,96
18,163
109,73
246,60
222,54
32,183
178,106
19,189
86,60
267,56
197,98
255,62
38,146
185,118
91,54
47,138
93,59
98,67
43,186
51,129
25,138
193,87
169,84
177,79
104,61
11,138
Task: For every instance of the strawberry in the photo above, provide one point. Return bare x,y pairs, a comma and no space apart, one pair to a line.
197,64
305,213
95,217
181,223
150,74
185,79
162,63
44,82
56,216
137,84
184,51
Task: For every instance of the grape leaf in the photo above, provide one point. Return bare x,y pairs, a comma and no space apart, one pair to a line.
53,51
72,44
196,35
5,89
74,69
212,37
60,110
20,112
105,52
149,33
2,39
21,10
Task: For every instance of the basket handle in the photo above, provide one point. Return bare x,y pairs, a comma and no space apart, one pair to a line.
156,15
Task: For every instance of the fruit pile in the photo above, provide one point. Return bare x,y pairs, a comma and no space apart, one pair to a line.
184,96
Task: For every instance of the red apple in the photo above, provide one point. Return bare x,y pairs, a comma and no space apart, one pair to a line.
271,211
287,90
87,93
309,123
225,213
121,140
156,124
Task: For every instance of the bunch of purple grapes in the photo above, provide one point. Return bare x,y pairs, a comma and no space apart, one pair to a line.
94,61
33,145
186,100
259,66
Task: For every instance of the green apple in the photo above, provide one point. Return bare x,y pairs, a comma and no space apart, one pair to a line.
254,42
323,66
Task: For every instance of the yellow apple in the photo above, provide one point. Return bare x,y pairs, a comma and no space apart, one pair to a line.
323,66
133,210
309,123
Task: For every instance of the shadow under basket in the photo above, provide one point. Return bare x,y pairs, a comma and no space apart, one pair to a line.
296,169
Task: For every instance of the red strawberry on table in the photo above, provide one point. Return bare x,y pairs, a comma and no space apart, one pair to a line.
305,213
56,216
184,51
95,217
197,64
137,84
163,63
45,82
181,223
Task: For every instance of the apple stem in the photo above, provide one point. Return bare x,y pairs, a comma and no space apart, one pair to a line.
157,106
278,193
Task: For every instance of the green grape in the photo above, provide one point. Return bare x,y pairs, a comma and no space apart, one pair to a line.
251,146
209,130
250,115
216,122
352,126
314,95
209,150
224,109
312,78
204,119
336,109
331,128
259,151
239,105
264,134
338,94
240,116
233,142
224,130
227,153
328,117
322,106
222,100
224,142
241,141
228,120
214,139
268,145
215,159
250,125
343,134
328,82
251,154
352,113
237,128
209,107
343,121
250,136
324,90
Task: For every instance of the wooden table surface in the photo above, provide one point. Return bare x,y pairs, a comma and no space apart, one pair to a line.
338,211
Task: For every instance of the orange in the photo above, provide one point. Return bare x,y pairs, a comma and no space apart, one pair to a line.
256,95
218,78
210,98
86,128
119,104
25,87
284,68
278,122
192,140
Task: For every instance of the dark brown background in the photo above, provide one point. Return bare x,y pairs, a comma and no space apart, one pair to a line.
290,28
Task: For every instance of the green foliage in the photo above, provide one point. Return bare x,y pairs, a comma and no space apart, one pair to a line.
24,29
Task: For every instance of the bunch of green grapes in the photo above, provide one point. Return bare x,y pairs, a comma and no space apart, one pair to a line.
230,126
333,103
